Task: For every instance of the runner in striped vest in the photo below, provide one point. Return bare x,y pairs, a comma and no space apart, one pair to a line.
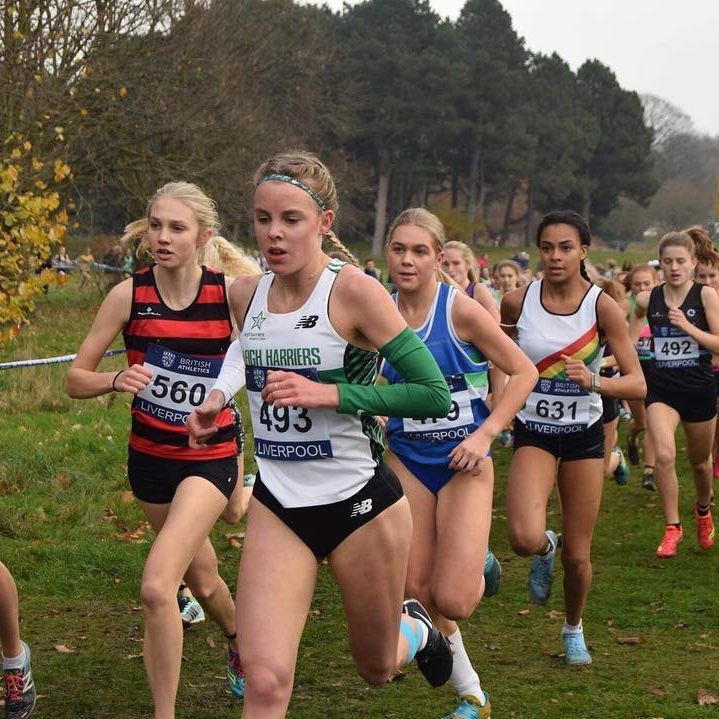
176,323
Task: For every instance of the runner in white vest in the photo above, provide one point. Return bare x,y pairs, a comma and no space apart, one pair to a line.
311,331
562,322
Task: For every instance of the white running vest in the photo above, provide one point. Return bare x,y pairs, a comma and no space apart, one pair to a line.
307,457
557,405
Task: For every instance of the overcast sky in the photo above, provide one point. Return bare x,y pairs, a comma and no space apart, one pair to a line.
666,47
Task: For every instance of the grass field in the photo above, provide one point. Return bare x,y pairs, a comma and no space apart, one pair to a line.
75,542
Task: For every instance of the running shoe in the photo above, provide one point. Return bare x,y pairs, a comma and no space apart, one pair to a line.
705,529
248,480
191,610
542,571
624,414
470,708
492,574
435,660
633,452
621,473
235,674
648,482
670,541
506,438
20,694
575,650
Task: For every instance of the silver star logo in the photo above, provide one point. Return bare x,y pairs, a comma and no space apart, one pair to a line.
257,321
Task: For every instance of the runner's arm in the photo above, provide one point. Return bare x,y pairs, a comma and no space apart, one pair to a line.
82,379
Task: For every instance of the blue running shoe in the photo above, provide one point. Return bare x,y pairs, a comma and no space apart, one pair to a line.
470,708
235,674
542,571
575,650
20,694
435,660
492,574
621,473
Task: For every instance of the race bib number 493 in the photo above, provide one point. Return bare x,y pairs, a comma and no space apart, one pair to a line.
289,434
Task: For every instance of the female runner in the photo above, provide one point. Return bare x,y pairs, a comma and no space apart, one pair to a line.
641,279
615,464
561,323
707,273
509,276
19,688
443,464
310,329
683,316
176,323
459,264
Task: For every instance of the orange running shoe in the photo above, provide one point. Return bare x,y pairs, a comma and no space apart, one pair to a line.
705,529
672,536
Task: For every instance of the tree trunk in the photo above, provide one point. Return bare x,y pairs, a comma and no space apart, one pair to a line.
455,192
528,217
473,183
504,236
380,214
586,204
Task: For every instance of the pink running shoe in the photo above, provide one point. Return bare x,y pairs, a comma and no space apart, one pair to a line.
672,536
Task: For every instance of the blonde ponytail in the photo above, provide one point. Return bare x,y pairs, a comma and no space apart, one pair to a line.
339,249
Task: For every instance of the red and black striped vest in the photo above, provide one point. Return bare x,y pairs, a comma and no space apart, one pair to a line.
203,329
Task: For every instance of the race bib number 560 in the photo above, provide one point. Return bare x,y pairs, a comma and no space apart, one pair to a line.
179,384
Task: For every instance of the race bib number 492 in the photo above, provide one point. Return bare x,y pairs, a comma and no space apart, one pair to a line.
179,384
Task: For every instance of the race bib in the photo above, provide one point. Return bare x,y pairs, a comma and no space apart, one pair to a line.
179,384
676,349
459,423
557,404
288,434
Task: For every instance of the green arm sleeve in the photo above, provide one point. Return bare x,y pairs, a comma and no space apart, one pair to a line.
424,392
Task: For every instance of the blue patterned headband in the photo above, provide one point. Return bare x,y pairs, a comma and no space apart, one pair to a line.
297,183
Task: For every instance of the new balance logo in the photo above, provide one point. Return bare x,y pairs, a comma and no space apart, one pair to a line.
361,507
307,322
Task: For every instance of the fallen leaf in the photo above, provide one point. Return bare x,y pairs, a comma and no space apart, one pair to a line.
63,649
235,535
108,516
659,692
234,543
523,612
493,647
631,640
127,496
210,642
554,614
704,699
134,656
53,612
62,481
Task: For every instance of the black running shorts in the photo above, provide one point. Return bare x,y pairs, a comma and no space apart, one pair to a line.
155,480
587,444
324,527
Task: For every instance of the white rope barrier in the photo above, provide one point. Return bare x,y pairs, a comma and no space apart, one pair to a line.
50,360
